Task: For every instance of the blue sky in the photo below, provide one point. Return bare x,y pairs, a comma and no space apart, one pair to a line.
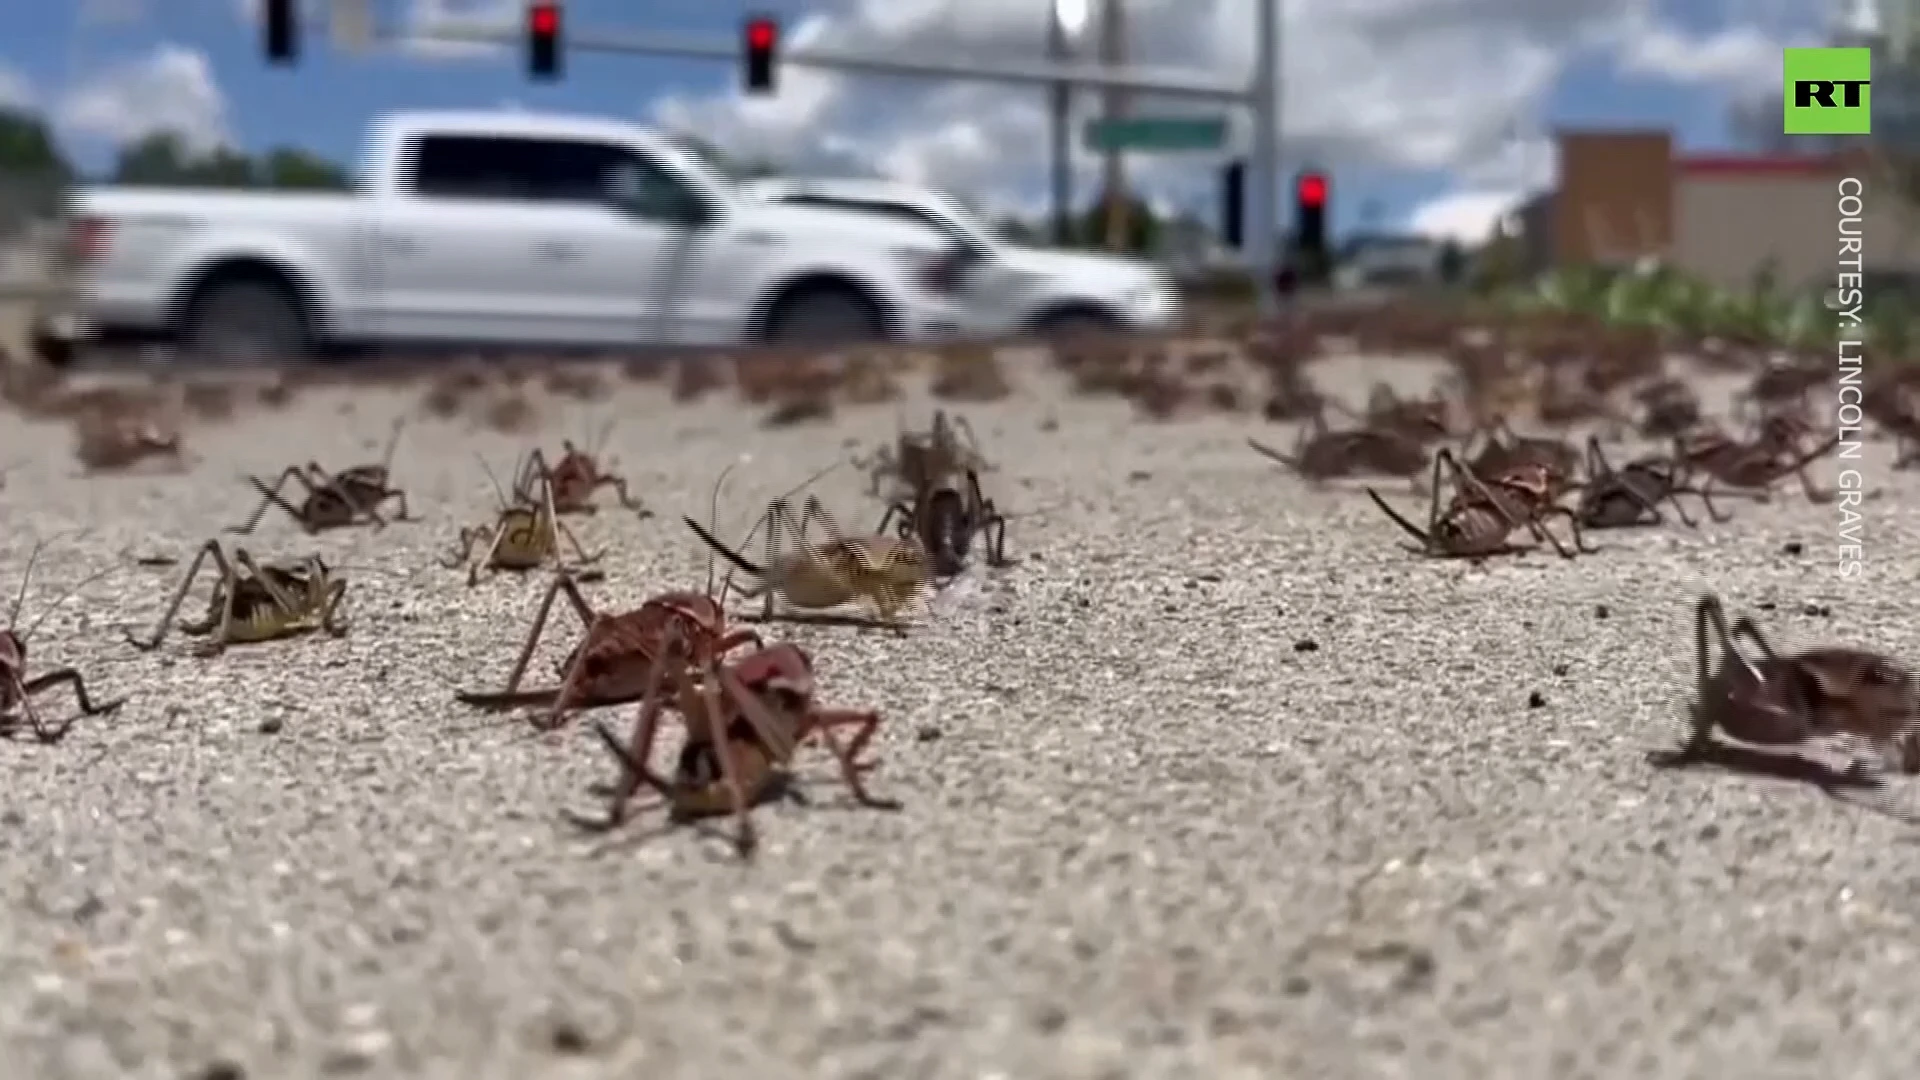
1677,69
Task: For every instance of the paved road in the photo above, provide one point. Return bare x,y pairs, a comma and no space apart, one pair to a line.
1217,783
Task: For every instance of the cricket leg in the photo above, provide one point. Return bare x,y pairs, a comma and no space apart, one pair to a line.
469,535
493,551
322,480
330,620
865,723
745,839
570,684
216,642
532,642
210,548
65,676
269,497
579,553
72,677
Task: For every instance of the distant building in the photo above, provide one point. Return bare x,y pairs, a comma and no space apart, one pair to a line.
1625,195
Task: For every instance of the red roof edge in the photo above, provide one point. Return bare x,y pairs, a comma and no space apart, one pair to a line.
1742,165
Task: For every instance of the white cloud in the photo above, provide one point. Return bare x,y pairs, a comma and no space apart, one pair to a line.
15,88
170,89
1468,217
1741,59
1396,84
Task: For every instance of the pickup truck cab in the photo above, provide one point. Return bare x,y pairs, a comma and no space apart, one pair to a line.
1018,288
478,229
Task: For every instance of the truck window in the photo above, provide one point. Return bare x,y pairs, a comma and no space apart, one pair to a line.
547,170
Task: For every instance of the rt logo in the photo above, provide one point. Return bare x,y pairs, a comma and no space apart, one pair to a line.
1827,91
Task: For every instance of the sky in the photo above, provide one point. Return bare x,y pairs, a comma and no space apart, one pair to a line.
1431,114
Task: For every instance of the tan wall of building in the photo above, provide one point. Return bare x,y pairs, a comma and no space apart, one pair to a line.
1615,201
1730,225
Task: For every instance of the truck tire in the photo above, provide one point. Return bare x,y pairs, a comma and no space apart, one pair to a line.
1077,321
245,320
825,315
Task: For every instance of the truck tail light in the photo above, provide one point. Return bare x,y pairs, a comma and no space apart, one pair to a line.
88,237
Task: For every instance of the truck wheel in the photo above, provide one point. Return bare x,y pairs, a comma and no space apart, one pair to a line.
245,321
1077,322
825,316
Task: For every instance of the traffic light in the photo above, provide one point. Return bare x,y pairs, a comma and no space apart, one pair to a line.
1233,203
543,41
1310,217
282,26
1313,260
762,39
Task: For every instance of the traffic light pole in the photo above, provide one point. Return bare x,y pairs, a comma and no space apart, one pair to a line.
1261,97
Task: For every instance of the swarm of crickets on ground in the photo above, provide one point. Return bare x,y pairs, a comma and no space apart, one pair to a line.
1525,446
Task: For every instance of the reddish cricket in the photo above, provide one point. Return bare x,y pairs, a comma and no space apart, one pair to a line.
17,691
1824,698
1481,515
745,720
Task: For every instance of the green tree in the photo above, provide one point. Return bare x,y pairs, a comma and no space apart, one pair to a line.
33,173
221,168
153,161
1142,231
293,169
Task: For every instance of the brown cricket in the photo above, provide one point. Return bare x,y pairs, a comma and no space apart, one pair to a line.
1320,454
616,655
1751,468
1481,515
574,479
17,691
1630,496
333,500
744,721
887,572
1823,699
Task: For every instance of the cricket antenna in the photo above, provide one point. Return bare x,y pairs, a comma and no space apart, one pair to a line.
492,479
393,443
713,517
57,601
20,597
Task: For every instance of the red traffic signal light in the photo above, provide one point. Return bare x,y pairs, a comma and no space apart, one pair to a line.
1313,190
762,39
543,41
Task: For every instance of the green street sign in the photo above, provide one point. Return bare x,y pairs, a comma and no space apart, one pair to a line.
1157,133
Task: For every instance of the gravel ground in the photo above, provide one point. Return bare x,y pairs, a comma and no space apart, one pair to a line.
1218,783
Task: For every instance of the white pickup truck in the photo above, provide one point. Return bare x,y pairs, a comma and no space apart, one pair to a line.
505,229
1012,288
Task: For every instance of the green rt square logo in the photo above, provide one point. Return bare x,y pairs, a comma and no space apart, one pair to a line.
1826,91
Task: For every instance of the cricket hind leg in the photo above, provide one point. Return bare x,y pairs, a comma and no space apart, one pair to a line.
270,497
866,723
330,608
1709,630
992,523
88,707
745,839
211,549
